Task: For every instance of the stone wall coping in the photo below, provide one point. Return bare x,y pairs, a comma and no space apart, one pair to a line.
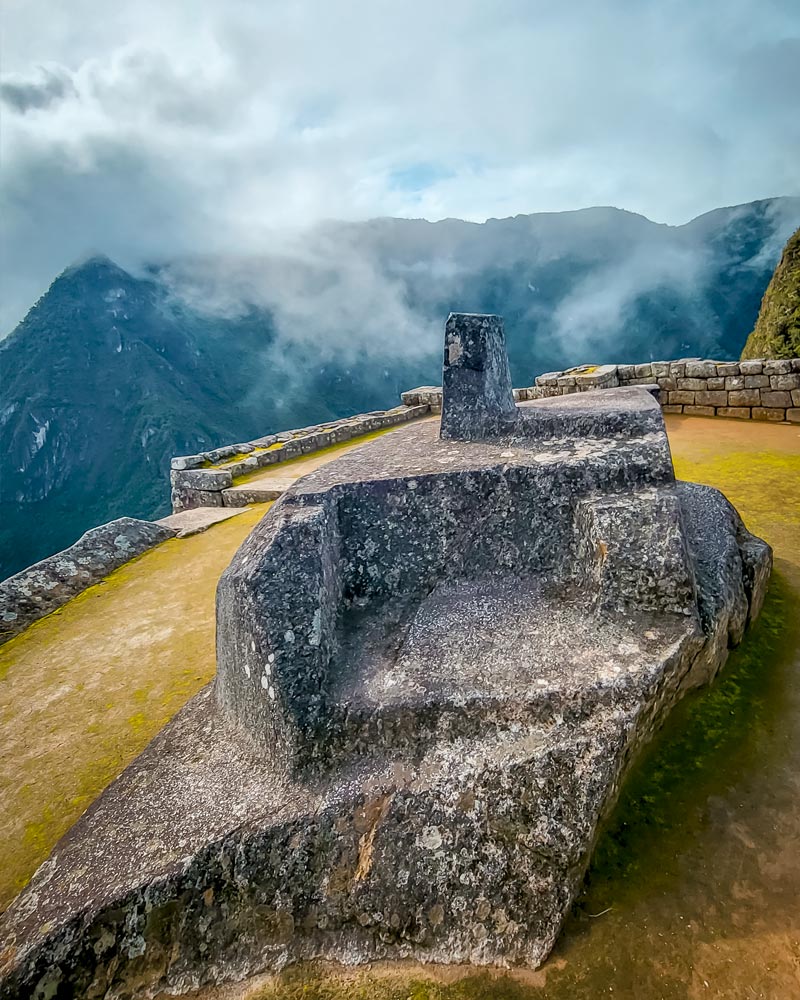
204,479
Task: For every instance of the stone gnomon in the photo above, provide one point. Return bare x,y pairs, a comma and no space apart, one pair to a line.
437,656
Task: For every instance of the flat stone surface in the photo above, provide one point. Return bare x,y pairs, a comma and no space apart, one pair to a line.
257,492
190,522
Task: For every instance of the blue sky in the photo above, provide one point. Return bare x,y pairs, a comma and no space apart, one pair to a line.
145,129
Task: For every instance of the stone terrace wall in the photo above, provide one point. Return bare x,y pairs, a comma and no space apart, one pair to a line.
757,390
200,480
749,390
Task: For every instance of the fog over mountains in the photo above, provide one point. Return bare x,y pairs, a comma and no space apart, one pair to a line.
113,371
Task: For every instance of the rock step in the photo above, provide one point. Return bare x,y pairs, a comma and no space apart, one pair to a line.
192,522
262,491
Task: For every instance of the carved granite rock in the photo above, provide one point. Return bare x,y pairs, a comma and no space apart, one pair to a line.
437,657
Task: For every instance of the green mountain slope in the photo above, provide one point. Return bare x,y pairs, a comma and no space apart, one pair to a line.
777,330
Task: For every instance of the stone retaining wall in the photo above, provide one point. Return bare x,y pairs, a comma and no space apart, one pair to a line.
749,390
201,480
47,585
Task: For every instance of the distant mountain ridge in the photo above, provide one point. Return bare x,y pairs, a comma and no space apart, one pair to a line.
110,373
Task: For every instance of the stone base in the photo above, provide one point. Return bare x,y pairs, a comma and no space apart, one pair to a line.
439,791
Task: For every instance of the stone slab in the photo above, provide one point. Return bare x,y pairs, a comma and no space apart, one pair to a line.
262,491
197,519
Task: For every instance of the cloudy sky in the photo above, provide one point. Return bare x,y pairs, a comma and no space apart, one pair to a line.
145,129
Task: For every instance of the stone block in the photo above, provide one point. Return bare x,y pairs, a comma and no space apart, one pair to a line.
716,382
673,408
795,397
201,479
736,382
643,371
660,369
768,413
744,397
625,372
692,384
184,498
667,383
727,368
793,415
699,411
776,399
700,369
777,367
751,367
681,396
735,412
786,382
756,381
711,398
796,364
477,399
677,369
181,462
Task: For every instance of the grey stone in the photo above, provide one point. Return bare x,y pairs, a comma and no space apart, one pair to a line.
744,397
48,585
711,398
776,398
777,367
476,380
188,461
700,369
751,367
437,659
201,479
755,381
785,382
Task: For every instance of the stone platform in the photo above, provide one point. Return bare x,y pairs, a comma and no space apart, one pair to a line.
437,657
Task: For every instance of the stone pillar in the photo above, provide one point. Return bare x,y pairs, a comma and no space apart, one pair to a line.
477,399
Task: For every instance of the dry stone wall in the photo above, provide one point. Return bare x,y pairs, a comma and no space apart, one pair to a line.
202,480
747,390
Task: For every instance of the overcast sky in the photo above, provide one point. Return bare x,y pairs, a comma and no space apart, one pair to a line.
144,129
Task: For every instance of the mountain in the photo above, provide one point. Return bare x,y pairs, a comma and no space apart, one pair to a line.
777,330
112,372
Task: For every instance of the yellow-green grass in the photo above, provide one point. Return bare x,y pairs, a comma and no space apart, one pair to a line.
84,690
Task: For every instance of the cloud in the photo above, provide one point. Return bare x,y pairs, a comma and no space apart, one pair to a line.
47,86
147,130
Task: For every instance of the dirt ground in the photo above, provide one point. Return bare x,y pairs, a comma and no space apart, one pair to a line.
695,887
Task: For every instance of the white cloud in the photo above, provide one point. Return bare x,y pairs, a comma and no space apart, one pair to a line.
149,129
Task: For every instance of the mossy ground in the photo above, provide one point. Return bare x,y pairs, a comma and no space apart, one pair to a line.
695,887
84,690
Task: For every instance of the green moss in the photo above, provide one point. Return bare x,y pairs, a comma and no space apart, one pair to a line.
777,330
710,739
